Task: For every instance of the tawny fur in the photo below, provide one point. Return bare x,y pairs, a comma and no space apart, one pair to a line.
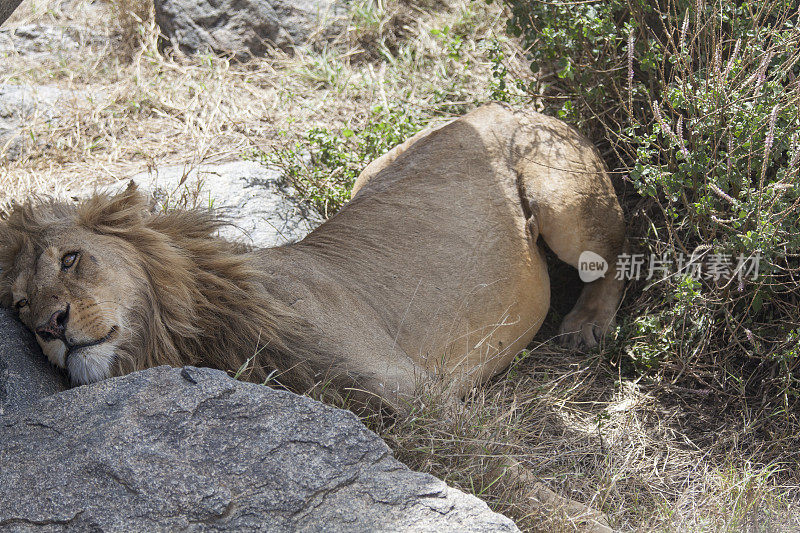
434,268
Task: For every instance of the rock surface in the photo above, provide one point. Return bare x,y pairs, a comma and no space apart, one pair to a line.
192,449
22,106
241,27
7,7
262,212
25,374
47,39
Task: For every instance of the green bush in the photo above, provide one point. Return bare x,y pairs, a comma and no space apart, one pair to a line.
695,105
324,164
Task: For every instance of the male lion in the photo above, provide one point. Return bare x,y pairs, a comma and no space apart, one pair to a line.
432,269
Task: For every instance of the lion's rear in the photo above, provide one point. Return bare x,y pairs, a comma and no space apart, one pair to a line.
439,246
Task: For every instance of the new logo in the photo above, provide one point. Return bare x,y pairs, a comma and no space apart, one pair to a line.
591,266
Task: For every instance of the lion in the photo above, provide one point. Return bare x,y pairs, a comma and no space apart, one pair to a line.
433,269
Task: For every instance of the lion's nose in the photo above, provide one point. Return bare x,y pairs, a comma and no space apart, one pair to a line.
55,328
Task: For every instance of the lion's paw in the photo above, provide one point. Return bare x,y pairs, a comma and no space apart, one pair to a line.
583,329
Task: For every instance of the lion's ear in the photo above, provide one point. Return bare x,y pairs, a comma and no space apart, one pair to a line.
103,212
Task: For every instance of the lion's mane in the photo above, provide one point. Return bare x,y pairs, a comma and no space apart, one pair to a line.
203,301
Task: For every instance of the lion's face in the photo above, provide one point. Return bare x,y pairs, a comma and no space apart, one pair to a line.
73,278
74,290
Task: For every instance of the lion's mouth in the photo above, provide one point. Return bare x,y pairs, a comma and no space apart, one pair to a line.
72,348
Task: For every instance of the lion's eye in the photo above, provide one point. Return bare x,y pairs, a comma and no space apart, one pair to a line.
22,303
68,260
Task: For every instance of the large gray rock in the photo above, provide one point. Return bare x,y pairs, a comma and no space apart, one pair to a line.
262,211
241,27
25,374
191,449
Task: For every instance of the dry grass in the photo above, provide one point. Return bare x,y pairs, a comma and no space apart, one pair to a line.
650,456
161,108
650,460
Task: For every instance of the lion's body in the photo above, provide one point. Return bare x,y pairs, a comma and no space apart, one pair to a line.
450,280
433,268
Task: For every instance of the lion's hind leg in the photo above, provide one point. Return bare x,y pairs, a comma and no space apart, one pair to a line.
592,245
593,315
572,204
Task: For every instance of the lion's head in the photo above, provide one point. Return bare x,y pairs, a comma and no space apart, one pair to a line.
110,286
77,287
